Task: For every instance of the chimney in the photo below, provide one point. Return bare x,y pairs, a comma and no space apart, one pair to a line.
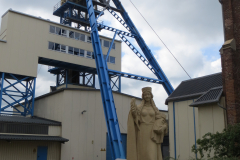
230,57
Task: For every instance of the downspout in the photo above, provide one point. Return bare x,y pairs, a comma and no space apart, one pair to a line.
195,130
219,105
174,129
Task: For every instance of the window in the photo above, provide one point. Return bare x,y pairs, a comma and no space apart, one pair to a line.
112,59
93,55
58,31
82,37
104,56
70,50
64,32
63,48
106,44
51,45
81,52
113,46
77,36
57,47
52,29
76,51
101,41
71,34
89,54
89,39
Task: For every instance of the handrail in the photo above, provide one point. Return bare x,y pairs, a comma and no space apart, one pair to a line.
59,4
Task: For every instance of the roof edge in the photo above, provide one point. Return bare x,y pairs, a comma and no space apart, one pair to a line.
185,97
203,77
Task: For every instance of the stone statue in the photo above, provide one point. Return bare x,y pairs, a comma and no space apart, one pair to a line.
146,129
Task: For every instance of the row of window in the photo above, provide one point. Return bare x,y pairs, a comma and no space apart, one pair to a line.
78,36
76,51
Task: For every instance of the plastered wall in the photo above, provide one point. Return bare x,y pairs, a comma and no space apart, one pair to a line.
184,127
86,132
27,150
208,118
28,38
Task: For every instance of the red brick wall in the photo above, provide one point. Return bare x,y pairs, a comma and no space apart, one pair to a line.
231,60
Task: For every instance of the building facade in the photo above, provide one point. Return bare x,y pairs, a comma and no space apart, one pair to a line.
196,107
27,41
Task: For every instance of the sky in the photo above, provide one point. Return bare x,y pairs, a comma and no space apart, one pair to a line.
191,29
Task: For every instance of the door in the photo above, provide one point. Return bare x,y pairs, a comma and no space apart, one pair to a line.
42,153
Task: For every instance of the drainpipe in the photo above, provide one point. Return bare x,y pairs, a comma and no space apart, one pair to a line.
195,130
174,129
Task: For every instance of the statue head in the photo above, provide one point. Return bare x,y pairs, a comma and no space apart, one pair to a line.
147,93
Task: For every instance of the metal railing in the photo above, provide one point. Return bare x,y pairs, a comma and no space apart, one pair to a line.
59,4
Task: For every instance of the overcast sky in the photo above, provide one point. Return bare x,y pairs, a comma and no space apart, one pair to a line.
192,30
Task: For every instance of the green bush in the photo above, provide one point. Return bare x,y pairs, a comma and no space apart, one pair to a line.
223,145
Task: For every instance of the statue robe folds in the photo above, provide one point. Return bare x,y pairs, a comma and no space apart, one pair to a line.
144,139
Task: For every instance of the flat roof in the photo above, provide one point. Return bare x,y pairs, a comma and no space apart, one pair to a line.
49,21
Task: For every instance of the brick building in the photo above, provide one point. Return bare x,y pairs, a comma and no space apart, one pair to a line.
230,55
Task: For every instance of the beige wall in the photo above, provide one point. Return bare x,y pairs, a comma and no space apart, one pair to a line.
55,131
27,39
3,31
24,150
86,132
211,118
208,118
184,127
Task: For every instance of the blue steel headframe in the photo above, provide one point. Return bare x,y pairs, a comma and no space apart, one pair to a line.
14,96
105,88
147,52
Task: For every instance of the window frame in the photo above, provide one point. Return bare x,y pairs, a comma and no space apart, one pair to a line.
53,45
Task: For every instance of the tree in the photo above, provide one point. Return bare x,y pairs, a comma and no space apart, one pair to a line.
224,144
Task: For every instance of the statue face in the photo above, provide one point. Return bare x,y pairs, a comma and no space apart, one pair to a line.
147,96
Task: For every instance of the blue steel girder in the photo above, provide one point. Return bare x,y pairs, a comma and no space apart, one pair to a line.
101,26
12,95
119,19
105,88
147,52
143,59
134,76
115,83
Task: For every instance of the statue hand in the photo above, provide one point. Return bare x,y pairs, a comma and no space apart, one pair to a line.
133,105
158,131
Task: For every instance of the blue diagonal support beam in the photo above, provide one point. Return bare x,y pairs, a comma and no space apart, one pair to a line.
105,88
134,76
102,26
146,51
119,19
143,59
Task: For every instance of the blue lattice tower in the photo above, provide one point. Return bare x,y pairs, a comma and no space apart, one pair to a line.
17,94
91,22
65,77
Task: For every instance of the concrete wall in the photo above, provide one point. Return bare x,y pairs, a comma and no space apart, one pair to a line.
27,150
28,38
208,118
86,132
